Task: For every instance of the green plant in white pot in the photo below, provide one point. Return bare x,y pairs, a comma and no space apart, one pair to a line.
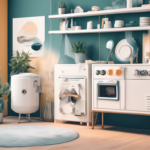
80,52
20,63
61,8
4,90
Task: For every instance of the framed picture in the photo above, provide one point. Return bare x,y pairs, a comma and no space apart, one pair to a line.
29,35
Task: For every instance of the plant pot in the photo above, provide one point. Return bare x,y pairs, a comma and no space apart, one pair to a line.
1,118
61,11
80,58
48,113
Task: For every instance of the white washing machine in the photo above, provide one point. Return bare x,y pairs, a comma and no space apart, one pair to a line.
73,93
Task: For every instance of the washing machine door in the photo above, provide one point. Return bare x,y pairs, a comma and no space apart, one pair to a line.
72,95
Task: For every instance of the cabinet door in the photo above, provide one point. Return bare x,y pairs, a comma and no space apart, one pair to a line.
136,93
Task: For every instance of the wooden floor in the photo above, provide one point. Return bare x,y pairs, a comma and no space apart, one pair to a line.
109,138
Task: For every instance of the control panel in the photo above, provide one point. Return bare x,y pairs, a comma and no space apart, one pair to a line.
142,72
138,72
109,72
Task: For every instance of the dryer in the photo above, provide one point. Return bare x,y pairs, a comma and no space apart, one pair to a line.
73,93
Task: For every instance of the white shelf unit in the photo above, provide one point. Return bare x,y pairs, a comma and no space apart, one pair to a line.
98,13
100,30
102,12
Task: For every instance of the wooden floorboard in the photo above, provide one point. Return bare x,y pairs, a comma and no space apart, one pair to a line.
109,138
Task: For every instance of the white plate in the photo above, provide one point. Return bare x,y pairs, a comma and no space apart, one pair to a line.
124,51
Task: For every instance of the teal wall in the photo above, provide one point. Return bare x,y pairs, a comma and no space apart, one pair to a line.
30,8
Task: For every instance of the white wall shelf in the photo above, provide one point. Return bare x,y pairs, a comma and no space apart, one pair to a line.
102,12
101,30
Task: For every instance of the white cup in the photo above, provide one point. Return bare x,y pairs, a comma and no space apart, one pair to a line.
90,25
98,26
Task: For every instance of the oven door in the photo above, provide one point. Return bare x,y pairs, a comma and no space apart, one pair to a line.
108,94
108,90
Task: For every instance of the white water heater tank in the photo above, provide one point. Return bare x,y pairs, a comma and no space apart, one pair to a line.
25,89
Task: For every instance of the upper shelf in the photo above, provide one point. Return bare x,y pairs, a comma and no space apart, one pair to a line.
102,12
101,30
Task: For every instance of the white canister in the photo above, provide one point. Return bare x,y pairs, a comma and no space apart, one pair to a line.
90,25
98,26
129,3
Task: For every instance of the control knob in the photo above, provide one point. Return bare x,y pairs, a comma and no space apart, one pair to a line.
144,73
103,72
97,72
118,72
137,72
110,72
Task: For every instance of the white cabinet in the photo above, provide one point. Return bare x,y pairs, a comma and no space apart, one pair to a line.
136,94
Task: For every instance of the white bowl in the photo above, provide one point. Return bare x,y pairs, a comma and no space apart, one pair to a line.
78,28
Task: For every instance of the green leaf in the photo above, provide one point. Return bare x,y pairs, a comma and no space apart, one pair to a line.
6,89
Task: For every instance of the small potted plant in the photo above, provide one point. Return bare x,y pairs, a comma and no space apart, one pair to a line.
80,52
3,103
61,8
20,63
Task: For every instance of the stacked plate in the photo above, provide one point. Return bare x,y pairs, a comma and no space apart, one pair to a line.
119,24
144,21
107,25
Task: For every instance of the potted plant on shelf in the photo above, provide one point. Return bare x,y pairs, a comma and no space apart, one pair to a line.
20,63
61,8
80,52
3,103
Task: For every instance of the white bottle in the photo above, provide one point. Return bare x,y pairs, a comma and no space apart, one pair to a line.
129,3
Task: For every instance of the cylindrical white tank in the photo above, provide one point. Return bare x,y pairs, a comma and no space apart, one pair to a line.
25,89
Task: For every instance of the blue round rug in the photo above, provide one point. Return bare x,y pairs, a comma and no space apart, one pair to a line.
26,136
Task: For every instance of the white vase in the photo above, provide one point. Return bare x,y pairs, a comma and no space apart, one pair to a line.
48,113
1,118
61,11
80,58
129,3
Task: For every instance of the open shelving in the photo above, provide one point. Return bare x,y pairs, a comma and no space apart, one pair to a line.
98,13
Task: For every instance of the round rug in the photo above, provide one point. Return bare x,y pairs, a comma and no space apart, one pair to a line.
26,136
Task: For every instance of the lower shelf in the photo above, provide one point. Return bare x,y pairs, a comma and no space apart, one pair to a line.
101,30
